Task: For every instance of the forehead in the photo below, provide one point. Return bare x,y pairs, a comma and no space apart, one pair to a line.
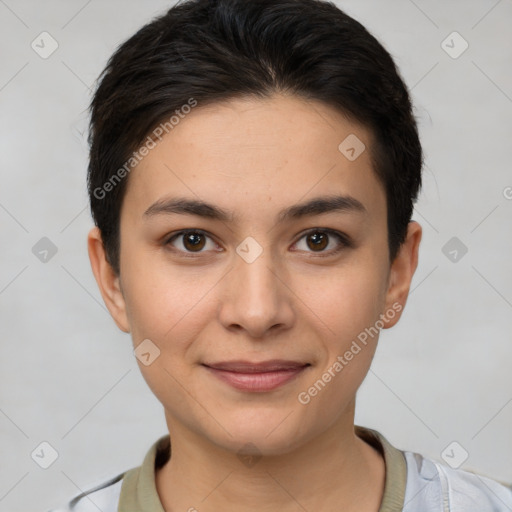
252,152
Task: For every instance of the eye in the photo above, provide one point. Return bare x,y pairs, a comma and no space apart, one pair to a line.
190,241
317,239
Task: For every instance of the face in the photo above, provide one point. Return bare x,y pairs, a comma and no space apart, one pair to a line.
256,284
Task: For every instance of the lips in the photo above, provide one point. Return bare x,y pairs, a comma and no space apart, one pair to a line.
256,367
255,376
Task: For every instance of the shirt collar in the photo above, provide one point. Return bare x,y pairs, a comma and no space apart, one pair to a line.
396,469
139,494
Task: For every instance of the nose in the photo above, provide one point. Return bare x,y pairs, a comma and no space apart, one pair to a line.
256,297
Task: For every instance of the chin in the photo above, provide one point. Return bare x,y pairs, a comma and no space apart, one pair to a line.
267,432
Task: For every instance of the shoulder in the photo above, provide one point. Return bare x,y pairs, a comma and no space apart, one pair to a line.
129,487
104,497
432,486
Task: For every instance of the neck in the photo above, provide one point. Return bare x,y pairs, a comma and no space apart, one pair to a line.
335,471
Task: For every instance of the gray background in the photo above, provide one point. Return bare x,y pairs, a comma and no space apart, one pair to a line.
68,375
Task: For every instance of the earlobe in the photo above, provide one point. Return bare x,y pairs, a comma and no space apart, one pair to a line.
401,273
108,281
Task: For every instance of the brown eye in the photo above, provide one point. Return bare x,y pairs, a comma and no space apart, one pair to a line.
317,240
193,241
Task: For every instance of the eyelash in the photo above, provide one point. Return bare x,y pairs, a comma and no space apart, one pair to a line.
344,241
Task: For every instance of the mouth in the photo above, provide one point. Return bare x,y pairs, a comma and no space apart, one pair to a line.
252,376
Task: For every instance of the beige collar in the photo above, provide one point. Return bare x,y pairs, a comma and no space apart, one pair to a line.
139,494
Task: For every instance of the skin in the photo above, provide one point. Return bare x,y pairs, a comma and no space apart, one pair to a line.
255,157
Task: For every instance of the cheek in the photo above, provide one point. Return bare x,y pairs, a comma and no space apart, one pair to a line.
345,300
165,301
350,305
169,308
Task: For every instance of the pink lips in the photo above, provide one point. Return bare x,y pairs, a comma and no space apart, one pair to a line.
256,376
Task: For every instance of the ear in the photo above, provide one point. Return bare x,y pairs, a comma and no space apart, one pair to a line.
401,273
108,281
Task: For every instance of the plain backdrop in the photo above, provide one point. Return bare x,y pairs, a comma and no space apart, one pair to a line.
68,376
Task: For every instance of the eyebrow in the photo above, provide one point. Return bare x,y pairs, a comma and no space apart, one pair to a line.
316,206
